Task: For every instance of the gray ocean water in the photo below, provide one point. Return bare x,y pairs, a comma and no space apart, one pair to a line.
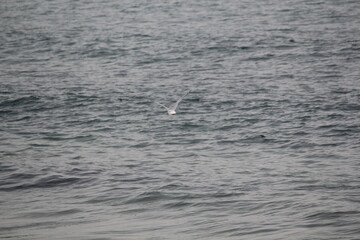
265,146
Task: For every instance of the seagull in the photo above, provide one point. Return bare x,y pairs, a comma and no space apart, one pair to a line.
171,110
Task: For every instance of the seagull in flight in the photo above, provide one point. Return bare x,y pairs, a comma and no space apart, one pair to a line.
171,110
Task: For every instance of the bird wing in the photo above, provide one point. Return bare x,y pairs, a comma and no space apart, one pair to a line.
178,101
161,105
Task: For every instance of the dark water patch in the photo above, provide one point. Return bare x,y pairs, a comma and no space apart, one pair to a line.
301,133
40,145
17,227
52,181
198,141
349,107
260,58
327,187
153,60
341,91
105,198
226,48
22,118
54,137
324,155
228,141
191,126
7,153
92,174
301,145
138,179
189,154
133,211
332,144
148,198
174,186
342,131
329,75
256,139
4,113
105,52
5,168
49,214
22,176
285,46
227,127
97,121
328,126
177,205
325,218
20,101
226,196
142,145
75,96
240,232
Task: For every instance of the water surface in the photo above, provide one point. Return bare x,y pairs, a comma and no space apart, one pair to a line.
266,145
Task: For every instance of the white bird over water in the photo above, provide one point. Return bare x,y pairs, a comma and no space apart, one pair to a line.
171,110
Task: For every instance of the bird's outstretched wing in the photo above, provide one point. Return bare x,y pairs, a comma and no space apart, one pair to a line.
178,101
160,105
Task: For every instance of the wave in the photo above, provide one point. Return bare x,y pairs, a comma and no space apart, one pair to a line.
19,101
22,181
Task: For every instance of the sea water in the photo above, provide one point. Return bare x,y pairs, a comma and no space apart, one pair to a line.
265,146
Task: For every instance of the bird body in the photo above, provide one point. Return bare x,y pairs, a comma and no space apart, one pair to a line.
171,110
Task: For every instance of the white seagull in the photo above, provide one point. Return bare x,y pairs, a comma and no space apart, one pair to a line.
171,110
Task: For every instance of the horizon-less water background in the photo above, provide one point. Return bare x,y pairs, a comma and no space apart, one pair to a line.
266,145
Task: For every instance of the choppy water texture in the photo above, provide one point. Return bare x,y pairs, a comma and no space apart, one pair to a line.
266,145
